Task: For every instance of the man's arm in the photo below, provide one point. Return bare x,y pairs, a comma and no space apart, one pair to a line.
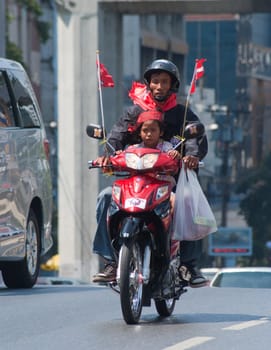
197,147
121,132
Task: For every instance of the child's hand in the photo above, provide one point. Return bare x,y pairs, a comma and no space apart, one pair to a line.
174,154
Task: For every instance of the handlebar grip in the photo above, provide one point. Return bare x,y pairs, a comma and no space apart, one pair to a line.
92,164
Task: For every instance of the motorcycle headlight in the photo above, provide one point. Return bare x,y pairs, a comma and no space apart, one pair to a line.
161,192
145,162
116,192
131,160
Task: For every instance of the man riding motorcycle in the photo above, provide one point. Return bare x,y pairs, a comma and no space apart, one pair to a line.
162,81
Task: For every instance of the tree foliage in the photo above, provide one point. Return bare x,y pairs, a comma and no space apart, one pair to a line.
256,207
14,52
32,6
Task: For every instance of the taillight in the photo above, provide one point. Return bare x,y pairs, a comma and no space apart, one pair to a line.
46,146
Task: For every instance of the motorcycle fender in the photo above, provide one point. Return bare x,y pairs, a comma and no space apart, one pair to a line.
131,226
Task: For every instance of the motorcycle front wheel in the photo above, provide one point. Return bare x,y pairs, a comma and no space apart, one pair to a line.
131,282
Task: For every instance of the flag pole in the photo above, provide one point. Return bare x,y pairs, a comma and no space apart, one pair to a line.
100,92
186,106
189,94
101,100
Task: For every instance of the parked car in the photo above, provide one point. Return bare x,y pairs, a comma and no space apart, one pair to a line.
243,277
209,272
25,179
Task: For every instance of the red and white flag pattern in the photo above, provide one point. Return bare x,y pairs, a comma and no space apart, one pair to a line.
198,73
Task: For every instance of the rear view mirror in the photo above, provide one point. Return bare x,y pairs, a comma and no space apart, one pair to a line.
95,131
194,130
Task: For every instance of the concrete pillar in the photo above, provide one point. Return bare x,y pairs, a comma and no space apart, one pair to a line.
111,55
77,106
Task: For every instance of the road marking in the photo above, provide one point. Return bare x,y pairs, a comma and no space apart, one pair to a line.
189,343
243,325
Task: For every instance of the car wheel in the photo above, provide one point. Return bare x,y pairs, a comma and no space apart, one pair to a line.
24,274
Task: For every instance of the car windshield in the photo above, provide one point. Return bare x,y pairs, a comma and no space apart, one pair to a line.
243,280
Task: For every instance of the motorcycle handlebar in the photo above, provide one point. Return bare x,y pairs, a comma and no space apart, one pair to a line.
92,165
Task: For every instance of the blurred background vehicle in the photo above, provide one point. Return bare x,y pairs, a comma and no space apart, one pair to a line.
25,179
243,277
209,272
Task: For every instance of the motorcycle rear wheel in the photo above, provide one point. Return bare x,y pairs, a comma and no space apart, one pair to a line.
131,283
165,307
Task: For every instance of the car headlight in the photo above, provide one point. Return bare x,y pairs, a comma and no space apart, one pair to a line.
116,191
145,162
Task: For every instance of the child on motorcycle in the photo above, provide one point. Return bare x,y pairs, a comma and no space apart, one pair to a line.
150,131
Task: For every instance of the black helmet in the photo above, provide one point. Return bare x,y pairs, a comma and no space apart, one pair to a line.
166,66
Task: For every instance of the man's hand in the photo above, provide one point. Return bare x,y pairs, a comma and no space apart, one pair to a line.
191,162
102,161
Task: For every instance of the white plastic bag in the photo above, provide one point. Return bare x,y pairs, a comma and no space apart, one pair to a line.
193,218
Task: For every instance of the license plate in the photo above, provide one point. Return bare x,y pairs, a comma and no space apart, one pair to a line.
135,202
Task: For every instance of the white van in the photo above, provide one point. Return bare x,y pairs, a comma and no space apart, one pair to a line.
25,180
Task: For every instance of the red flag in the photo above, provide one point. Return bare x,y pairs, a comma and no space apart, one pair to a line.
198,73
106,78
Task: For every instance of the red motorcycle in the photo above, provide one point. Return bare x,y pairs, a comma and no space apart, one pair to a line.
139,224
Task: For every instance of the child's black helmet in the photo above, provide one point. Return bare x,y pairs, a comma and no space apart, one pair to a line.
166,66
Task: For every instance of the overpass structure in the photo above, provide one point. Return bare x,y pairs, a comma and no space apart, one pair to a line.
82,27
186,6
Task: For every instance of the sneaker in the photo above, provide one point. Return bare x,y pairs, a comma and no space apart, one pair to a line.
193,276
197,279
107,275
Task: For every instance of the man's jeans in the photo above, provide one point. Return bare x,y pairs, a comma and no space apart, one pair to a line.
102,243
190,250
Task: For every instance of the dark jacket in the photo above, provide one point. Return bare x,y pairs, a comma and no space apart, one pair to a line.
123,132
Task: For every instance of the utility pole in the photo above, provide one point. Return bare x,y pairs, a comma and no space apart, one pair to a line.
223,134
225,184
